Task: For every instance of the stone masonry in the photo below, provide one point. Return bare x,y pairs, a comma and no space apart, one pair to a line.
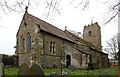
39,42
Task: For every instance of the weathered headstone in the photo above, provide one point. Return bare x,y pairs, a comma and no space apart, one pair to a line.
71,67
22,70
64,73
0,58
2,70
1,67
35,70
105,74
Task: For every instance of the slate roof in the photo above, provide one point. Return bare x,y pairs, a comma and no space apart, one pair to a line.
50,28
89,44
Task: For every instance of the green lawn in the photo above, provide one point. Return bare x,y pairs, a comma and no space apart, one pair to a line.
10,70
111,70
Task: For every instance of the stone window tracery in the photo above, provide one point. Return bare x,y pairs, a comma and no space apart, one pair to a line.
23,43
29,41
52,47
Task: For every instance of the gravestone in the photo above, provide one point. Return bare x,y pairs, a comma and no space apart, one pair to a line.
0,58
1,67
35,70
64,73
2,72
22,70
105,74
71,67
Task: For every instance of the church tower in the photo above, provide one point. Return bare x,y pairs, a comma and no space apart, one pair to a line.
92,34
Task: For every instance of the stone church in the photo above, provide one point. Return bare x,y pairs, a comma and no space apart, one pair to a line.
42,43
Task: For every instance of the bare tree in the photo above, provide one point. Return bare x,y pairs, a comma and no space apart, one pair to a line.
53,6
76,33
112,47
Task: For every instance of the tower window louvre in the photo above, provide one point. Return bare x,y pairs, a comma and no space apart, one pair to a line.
90,33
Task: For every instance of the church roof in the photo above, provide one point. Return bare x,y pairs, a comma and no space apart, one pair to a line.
47,27
50,28
89,44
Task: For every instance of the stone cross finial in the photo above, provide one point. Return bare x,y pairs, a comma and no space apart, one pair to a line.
65,27
26,8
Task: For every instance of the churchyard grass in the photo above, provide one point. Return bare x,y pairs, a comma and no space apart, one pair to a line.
110,70
10,70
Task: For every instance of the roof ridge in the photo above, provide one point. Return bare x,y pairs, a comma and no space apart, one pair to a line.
82,39
67,34
45,21
63,35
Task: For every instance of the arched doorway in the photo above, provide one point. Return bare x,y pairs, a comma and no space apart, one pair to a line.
68,60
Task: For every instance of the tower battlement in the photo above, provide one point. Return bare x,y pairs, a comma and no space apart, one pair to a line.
92,33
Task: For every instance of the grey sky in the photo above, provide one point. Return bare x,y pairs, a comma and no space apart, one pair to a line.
71,17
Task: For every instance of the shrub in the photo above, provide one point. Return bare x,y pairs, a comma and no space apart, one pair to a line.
8,61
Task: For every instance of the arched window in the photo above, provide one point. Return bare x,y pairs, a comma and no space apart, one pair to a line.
52,47
26,25
29,41
90,33
23,44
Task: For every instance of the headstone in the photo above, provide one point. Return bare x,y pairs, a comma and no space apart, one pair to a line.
105,74
35,70
22,70
71,67
1,67
52,75
64,73
2,72
0,58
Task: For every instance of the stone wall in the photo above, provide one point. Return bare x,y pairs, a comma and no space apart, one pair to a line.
49,56
92,34
52,59
78,59
32,55
97,57
24,58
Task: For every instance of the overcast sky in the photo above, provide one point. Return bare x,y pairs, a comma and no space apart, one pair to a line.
71,17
